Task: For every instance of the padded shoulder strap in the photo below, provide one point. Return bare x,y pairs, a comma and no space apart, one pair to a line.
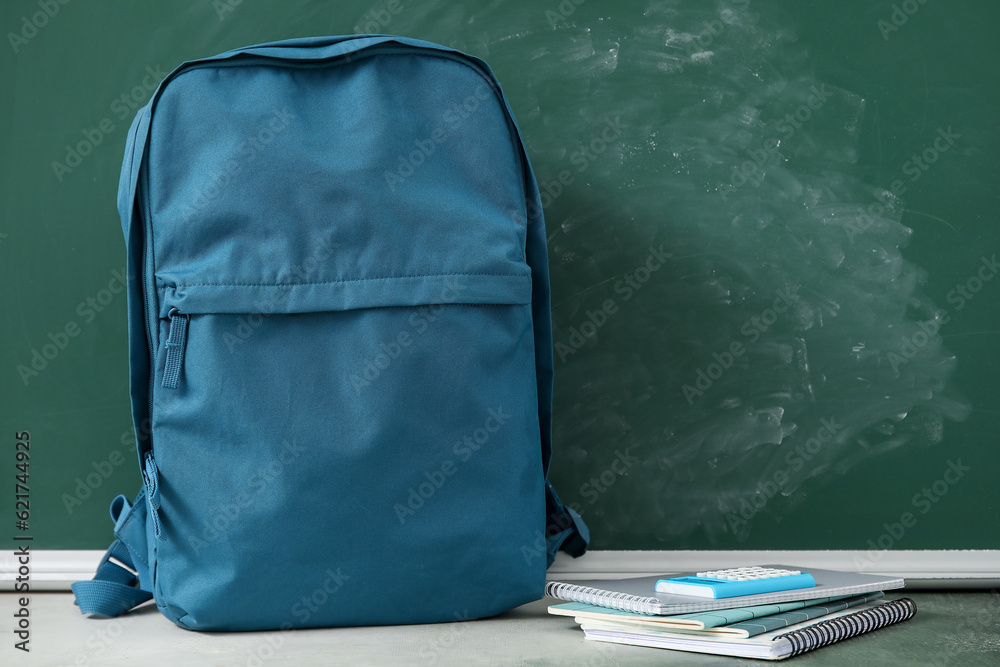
125,584
564,528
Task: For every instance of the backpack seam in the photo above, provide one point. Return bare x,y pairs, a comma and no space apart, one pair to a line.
346,280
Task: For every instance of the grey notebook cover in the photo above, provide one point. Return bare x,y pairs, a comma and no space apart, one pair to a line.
638,595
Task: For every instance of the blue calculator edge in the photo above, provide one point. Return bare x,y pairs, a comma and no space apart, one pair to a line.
727,589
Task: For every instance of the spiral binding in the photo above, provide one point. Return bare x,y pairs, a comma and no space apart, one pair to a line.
845,627
623,601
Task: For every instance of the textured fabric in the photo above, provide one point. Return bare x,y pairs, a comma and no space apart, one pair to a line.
340,339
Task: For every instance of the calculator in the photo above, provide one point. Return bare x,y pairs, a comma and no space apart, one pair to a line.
736,581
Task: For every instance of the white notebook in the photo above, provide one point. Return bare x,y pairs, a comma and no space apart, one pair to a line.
638,595
774,645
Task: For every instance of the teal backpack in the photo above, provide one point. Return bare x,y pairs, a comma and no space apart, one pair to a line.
340,345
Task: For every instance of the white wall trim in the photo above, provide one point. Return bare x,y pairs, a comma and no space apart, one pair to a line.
921,569
55,570
51,570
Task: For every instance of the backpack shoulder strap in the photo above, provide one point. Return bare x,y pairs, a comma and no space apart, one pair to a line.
122,581
564,528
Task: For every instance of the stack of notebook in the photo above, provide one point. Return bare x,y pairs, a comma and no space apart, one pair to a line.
769,626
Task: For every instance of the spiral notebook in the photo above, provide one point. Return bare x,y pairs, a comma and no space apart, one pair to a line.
740,622
774,645
638,595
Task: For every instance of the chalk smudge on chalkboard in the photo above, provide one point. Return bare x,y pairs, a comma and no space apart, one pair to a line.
755,366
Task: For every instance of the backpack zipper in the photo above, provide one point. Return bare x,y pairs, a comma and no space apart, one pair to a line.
175,348
150,479
149,472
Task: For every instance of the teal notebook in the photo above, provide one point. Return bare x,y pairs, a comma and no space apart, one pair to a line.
739,622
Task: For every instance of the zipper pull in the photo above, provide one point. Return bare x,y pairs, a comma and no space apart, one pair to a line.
175,348
151,480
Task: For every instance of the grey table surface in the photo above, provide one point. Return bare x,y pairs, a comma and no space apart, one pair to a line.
960,628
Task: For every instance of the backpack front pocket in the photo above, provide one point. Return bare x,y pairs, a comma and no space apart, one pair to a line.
395,446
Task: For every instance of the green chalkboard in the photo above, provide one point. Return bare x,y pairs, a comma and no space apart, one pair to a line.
772,232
